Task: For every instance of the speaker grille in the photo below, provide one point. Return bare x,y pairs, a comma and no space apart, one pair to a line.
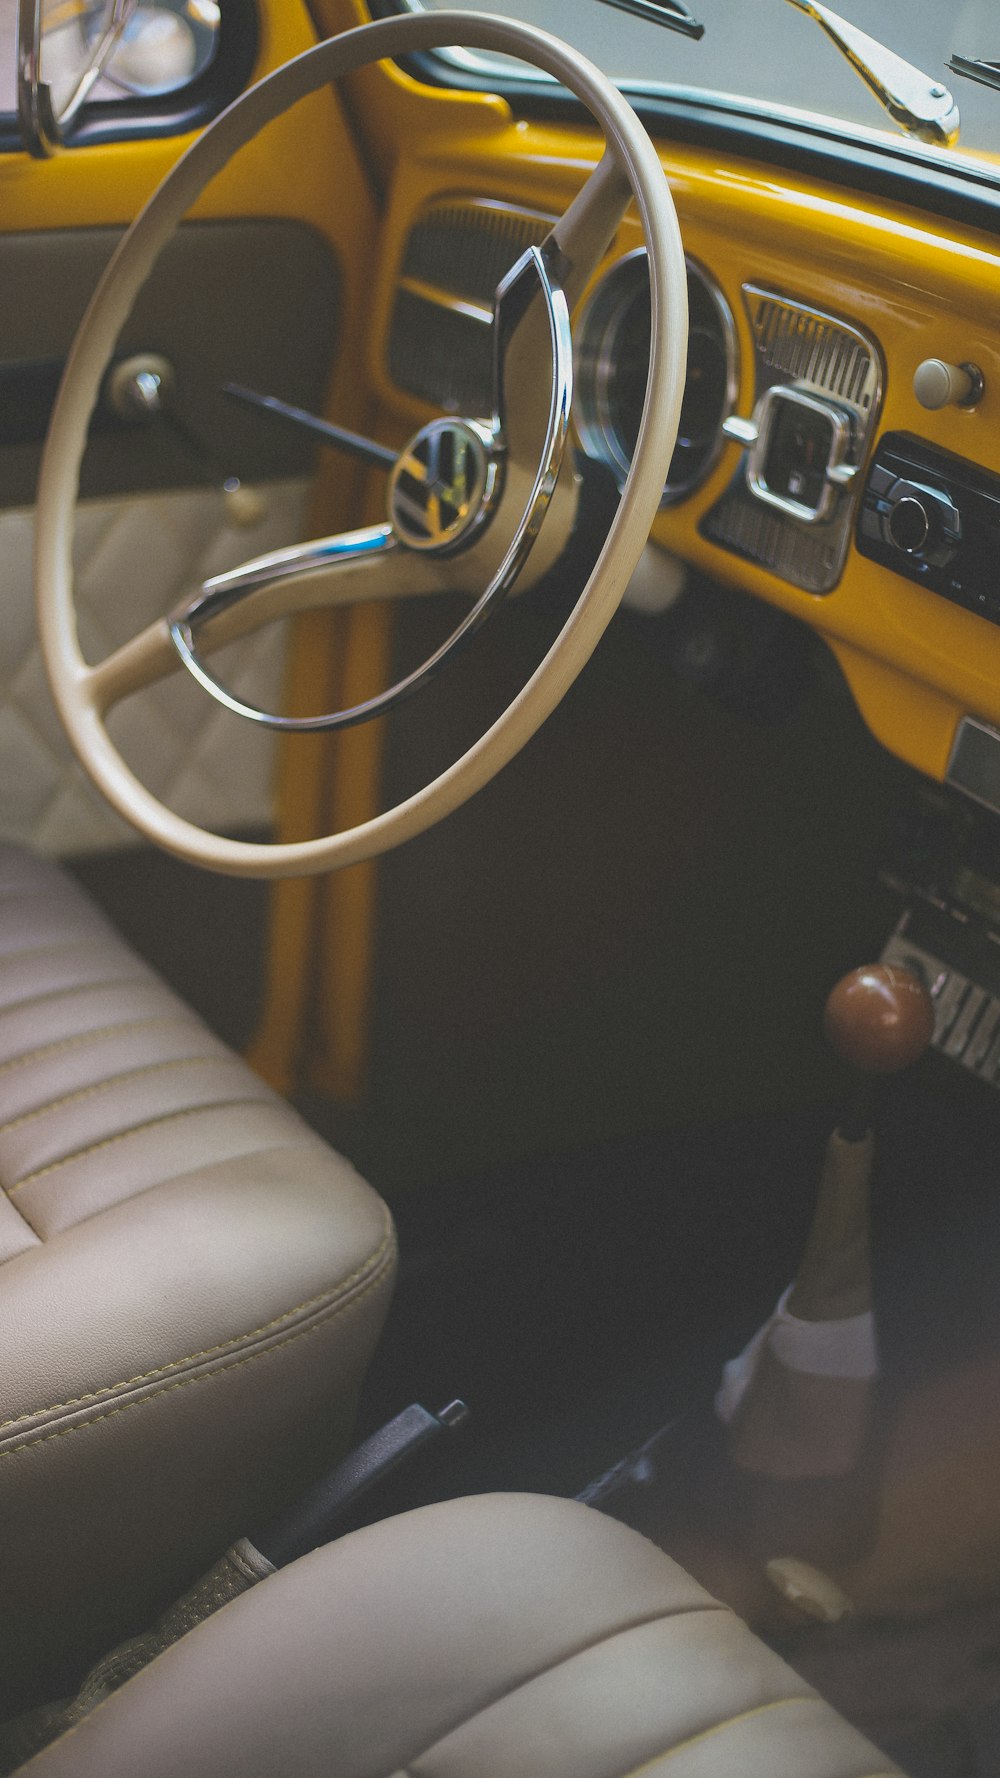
811,348
440,345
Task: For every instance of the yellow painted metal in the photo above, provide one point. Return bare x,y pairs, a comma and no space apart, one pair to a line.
107,183
392,112
923,286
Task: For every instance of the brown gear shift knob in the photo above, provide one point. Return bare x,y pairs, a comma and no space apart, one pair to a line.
879,1019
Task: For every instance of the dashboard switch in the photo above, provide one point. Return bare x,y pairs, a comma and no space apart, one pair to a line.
938,384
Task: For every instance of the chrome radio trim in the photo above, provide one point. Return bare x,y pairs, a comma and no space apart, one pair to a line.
842,433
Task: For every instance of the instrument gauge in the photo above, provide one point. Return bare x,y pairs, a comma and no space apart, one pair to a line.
613,362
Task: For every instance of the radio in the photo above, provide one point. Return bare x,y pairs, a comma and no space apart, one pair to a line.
936,519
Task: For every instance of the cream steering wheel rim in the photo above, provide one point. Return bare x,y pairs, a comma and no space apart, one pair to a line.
630,159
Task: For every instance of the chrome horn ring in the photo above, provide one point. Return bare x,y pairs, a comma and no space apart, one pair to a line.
473,510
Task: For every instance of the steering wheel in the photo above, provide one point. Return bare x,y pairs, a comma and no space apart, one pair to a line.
467,498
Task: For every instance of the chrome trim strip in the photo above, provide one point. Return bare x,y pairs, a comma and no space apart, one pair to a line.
35,110
43,130
300,559
541,260
226,590
740,431
444,299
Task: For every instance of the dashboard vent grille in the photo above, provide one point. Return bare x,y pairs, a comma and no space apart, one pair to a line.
823,359
441,355
465,247
811,348
439,345
809,559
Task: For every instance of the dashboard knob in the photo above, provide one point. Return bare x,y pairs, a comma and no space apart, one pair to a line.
922,522
936,384
141,388
909,524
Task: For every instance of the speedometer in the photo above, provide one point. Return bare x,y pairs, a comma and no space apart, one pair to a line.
613,361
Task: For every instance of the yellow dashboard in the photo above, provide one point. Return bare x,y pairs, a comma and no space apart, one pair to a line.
864,277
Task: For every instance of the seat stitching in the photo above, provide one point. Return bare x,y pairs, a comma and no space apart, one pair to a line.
716,1729
316,1325
85,940
151,1123
93,1033
29,1225
200,1628
140,977
372,1263
563,1660
105,1086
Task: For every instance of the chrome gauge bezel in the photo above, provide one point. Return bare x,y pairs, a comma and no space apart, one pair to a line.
603,318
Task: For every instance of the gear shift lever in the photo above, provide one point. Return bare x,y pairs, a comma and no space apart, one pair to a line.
797,1402
781,1485
879,1020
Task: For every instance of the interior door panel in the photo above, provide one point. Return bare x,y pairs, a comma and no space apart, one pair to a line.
155,519
265,286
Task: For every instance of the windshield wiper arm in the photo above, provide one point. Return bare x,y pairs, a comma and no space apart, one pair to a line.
919,104
987,73
661,12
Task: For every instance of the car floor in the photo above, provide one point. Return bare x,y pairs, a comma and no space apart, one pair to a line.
581,1302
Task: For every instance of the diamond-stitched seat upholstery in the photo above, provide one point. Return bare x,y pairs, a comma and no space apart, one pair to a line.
135,556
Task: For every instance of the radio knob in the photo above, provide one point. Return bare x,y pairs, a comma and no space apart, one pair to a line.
909,524
921,522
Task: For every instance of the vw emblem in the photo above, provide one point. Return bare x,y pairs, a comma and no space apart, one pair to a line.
442,485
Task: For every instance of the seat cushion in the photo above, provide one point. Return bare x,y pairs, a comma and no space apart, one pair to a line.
191,1284
507,1636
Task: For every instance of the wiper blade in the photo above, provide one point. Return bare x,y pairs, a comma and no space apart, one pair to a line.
670,13
971,68
918,103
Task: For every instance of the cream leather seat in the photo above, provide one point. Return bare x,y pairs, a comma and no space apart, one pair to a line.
507,1636
191,1285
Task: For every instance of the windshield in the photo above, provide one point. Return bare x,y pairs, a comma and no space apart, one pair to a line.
772,55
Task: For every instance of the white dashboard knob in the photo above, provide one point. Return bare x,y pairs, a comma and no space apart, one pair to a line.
939,384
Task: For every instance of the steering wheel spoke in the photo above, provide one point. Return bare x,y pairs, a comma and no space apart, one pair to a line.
352,568
585,231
